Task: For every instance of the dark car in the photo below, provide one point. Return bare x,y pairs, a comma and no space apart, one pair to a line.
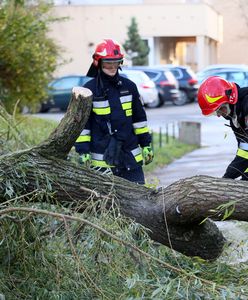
166,84
59,94
231,72
188,83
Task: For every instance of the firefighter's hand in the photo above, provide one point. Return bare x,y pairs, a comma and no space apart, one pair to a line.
147,154
85,159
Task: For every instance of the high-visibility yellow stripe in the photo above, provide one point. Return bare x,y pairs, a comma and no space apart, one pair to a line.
83,138
127,105
141,130
100,163
129,112
213,99
242,153
246,171
102,111
139,157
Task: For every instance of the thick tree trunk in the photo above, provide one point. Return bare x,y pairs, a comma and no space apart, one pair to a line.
172,215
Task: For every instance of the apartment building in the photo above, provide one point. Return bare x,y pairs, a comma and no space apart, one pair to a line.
180,32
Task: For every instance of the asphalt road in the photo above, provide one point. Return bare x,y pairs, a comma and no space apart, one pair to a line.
213,131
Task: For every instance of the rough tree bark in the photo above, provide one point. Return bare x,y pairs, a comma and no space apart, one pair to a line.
173,214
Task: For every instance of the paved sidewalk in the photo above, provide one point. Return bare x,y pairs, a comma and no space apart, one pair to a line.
217,151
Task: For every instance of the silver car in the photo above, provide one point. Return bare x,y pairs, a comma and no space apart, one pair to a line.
146,87
234,73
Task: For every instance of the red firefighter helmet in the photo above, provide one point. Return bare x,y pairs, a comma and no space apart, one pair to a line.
215,91
108,50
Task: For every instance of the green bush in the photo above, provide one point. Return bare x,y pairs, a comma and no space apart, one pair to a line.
28,57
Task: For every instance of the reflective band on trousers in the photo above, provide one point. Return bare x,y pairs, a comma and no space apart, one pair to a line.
97,160
242,153
243,146
84,136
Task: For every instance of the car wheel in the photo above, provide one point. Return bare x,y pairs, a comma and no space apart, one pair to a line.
182,99
191,100
43,108
154,104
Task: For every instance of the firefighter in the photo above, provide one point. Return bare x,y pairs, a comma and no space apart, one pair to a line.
116,135
226,99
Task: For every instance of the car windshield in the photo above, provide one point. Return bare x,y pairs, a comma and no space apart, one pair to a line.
65,83
137,77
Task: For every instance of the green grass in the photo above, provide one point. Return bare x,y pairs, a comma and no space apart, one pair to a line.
23,132
167,152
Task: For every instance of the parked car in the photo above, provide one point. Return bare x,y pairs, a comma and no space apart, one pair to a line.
146,87
188,83
231,72
166,84
59,94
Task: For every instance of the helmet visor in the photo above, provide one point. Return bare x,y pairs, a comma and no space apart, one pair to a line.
112,60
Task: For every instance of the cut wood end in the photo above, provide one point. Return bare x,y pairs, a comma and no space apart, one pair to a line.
79,90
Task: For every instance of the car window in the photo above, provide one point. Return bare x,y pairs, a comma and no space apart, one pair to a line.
139,77
177,73
189,73
238,77
66,83
151,74
221,74
169,75
135,77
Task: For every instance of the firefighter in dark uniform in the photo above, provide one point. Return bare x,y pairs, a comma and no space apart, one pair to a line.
228,100
116,135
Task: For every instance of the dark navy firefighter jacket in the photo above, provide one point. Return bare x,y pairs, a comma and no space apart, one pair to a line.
117,126
239,124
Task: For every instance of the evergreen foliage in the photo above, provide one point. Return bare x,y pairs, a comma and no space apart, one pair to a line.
28,57
135,44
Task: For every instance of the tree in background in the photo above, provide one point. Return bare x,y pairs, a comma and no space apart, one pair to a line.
28,57
135,46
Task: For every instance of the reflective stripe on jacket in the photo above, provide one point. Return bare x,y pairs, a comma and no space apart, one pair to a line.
117,111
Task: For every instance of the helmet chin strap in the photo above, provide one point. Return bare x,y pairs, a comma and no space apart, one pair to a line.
228,109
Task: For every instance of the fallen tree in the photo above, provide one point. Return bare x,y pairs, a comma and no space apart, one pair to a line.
173,215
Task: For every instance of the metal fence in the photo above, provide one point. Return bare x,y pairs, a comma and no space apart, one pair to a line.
186,132
166,133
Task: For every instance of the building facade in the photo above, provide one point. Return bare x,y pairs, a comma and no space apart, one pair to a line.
178,32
